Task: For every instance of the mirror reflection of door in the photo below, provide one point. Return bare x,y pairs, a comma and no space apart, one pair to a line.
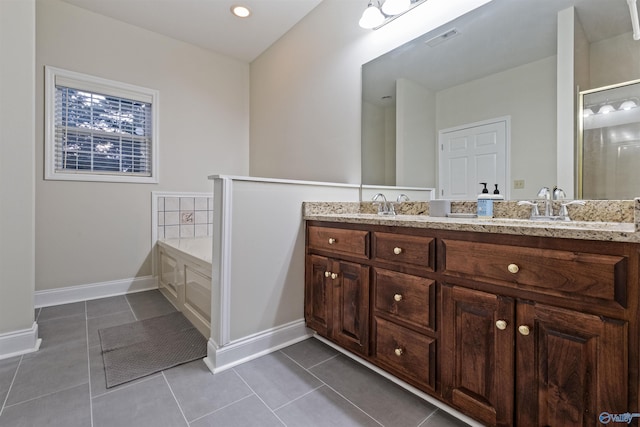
609,147
471,154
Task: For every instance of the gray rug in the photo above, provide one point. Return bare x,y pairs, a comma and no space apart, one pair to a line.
138,349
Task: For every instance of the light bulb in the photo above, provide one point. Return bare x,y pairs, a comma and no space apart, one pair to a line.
241,11
587,112
628,105
371,17
606,109
395,7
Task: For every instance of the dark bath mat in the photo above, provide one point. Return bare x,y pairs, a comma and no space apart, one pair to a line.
142,348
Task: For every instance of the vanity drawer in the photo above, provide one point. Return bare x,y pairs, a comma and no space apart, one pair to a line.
339,241
405,297
407,353
569,274
405,249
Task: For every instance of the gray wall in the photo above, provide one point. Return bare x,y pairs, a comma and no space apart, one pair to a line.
88,232
306,88
17,41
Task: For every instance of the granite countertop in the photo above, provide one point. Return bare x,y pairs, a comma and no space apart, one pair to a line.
605,221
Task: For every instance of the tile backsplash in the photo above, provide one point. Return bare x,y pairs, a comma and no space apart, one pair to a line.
183,215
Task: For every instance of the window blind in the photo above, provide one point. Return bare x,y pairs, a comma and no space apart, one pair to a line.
101,133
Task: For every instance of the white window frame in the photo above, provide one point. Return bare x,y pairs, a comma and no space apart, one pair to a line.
107,87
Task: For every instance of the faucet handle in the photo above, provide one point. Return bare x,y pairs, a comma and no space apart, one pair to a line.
564,212
402,198
534,207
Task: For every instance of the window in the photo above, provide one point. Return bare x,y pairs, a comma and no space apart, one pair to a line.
99,130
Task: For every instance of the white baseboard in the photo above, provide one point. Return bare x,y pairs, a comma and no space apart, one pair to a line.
19,342
239,351
94,290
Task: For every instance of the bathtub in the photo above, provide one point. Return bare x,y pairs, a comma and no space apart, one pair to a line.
184,277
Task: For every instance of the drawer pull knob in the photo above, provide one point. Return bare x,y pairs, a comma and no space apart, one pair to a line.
501,324
334,276
397,250
523,329
331,240
397,297
513,268
327,274
398,351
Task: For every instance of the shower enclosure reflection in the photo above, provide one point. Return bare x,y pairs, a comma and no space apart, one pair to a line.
609,143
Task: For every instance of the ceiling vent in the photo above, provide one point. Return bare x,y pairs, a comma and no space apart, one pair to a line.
443,37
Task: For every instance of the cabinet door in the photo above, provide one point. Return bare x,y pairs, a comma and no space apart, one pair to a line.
571,367
318,295
477,354
351,306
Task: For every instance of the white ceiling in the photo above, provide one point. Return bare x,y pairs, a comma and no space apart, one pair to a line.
209,23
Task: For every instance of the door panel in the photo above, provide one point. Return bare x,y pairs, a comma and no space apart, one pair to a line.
571,367
318,295
471,154
477,357
351,306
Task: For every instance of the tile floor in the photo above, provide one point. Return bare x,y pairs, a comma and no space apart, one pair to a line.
307,384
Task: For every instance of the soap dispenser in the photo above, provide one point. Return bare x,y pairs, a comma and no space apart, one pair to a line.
485,202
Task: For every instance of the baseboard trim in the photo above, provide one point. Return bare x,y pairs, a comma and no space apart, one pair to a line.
239,351
94,290
19,342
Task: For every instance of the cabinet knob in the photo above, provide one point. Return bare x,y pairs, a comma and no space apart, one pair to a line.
397,297
501,324
513,268
397,250
327,274
398,351
334,276
523,329
331,240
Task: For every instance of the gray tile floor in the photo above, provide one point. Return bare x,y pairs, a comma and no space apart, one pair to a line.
307,384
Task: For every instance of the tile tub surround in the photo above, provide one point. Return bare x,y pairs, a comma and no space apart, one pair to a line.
307,384
611,220
181,216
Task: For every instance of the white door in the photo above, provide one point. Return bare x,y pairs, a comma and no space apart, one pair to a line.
471,154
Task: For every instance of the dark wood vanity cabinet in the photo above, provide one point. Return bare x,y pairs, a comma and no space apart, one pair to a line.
508,362
337,290
510,330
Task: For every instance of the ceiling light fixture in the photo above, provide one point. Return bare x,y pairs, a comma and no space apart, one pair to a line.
380,12
395,7
371,17
241,11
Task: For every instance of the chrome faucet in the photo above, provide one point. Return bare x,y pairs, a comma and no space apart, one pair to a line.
564,213
548,196
384,207
545,194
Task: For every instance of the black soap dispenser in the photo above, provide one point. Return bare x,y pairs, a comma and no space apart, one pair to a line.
496,191
484,190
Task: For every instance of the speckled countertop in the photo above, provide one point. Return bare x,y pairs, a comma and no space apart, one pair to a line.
612,220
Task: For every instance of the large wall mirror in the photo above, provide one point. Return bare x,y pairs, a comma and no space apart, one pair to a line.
500,60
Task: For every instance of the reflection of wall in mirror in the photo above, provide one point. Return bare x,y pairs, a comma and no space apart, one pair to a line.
613,61
611,159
